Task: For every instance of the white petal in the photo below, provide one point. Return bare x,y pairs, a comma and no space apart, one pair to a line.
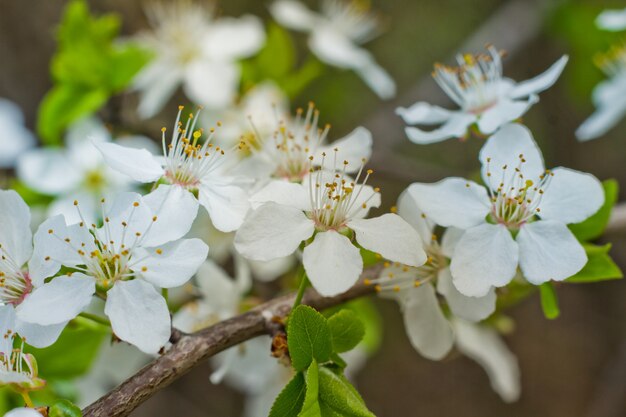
226,203
283,192
219,291
377,79
505,148
454,127
173,265
16,237
483,345
156,83
613,20
270,270
369,197
469,308
452,202
15,138
37,335
212,83
571,196
411,213
89,207
175,208
602,120
449,240
549,251
427,328
23,412
48,171
503,112
272,231
424,114
485,257
129,220
354,148
293,15
139,164
332,263
390,236
336,49
58,301
541,82
139,315
232,38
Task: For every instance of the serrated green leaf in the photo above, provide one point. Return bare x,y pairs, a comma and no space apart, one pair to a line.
289,401
599,267
594,226
311,407
338,397
308,337
64,408
549,301
370,317
346,329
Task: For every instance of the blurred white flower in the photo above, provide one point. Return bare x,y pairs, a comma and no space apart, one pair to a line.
194,48
194,169
138,248
15,138
23,412
78,171
520,218
484,96
336,35
609,96
326,212
613,20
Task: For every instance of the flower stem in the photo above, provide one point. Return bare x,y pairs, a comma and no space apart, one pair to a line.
165,294
27,400
304,283
95,318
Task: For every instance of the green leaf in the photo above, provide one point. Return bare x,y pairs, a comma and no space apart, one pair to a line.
594,226
277,58
338,397
297,81
549,302
311,407
308,337
64,408
599,267
346,329
370,317
290,400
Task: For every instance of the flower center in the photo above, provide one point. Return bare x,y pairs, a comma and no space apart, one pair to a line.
94,180
17,367
353,18
612,62
15,283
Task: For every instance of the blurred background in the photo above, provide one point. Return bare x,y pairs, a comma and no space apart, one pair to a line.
574,366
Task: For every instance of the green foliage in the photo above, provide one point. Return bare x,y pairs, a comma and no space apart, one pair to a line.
599,267
308,337
290,400
594,226
64,408
365,309
549,301
311,406
338,397
88,68
346,329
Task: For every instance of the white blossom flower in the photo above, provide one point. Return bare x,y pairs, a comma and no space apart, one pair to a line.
429,330
193,168
327,212
520,218
76,172
609,96
15,138
23,412
194,48
17,369
137,248
336,35
613,20
484,96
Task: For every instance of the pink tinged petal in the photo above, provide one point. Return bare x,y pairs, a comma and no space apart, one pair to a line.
58,301
571,196
410,212
16,237
452,202
139,164
226,203
332,263
284,193
549,251
293,15
232,38
469,308
354,148
613,20
428,330
37,335
485,257
455,127
139,315
422,113
504,149
390,236
175,209
170,265
272,231
541,82
484,345
503,112
212,83
49,171
602,120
